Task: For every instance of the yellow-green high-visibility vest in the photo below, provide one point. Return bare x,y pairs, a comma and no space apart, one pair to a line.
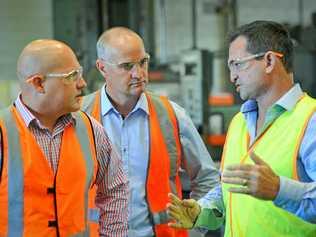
278,146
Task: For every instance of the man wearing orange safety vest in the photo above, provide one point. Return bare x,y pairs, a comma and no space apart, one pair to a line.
154,136
268,163
59,173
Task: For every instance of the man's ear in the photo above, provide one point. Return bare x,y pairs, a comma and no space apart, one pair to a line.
100,67
271,60
37,81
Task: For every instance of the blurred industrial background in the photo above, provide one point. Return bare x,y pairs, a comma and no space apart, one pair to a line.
185,38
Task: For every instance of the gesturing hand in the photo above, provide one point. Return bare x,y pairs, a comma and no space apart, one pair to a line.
184,212
257,180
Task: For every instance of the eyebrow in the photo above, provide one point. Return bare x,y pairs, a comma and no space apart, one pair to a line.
231,61
137,61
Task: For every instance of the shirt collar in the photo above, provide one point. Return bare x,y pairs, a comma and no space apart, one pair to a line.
107,106
287,101
28,117
290,99
25,113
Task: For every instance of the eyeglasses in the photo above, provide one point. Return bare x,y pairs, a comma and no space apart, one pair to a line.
241,64
128,66
72,76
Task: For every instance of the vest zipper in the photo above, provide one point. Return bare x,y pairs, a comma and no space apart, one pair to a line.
55,207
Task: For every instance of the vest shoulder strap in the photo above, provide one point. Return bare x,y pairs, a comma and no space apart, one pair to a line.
10,133
169,126
13,138
82,132
88,102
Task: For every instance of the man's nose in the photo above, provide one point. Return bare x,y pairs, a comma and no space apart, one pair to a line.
81,83
233,76
137,71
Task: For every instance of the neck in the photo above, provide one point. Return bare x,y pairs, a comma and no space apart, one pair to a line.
281,85
47,119
124,105
272,95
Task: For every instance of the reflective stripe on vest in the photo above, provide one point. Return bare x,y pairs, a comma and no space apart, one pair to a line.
165,153
92,105
15,179
160,217
82,134
15,171
168,134
168,127
280,141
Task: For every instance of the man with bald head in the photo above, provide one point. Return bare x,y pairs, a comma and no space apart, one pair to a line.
154,136
59,173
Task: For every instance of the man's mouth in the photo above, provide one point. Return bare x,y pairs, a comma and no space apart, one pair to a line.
237,87
137,83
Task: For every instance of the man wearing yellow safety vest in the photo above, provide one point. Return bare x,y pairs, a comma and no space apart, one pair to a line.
154,136
268,164
59,173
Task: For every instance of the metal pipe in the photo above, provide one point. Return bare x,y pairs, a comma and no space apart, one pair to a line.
300,12
194,24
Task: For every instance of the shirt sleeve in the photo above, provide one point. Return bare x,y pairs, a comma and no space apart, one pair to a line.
112,192
299,197
212,213
197,161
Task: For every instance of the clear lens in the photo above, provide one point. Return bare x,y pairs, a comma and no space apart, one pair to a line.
129,65
74,75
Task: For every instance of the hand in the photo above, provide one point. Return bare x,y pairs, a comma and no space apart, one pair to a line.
257,180
184,212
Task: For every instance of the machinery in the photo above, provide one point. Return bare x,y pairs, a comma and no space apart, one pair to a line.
189,84
195,79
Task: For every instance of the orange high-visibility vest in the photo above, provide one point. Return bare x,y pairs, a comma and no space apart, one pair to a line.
164,161
92,105
33,201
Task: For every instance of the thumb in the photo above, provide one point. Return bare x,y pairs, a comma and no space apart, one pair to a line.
257,160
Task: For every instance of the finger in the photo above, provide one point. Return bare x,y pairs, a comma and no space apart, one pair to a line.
238,167
174,199
237,174
257,160
238,181
241,190
173,208
174,215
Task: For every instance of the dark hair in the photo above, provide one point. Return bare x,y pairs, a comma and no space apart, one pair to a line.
263,36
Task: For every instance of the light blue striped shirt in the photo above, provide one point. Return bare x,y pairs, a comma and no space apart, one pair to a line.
131,138
297,197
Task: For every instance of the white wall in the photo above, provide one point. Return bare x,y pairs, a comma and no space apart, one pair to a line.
20,23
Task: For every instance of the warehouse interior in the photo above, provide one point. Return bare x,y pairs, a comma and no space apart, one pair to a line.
186,40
